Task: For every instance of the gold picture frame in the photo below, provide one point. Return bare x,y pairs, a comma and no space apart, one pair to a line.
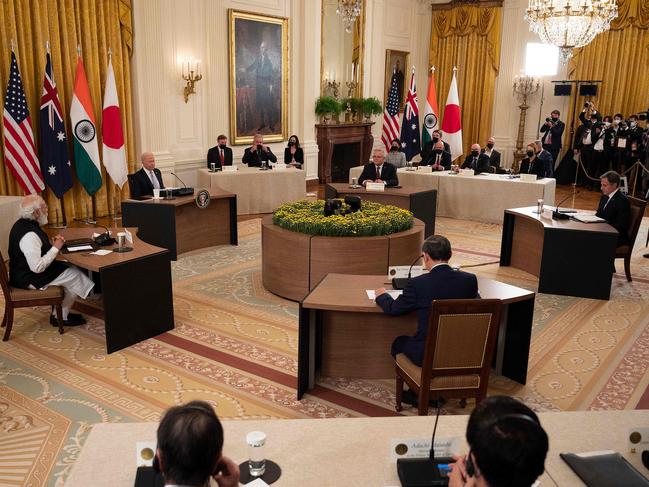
258,55
391,58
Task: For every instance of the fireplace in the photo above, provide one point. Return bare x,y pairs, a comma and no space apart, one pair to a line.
342,146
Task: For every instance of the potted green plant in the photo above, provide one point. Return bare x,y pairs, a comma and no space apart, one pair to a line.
326,106
371,106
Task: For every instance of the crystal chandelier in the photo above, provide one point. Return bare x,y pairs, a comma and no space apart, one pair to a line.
349,10
570,23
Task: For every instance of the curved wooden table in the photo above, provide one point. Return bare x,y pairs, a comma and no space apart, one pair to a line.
294,263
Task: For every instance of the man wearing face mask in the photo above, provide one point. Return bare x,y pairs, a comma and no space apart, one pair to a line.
258,153
477,161
429,147
395,156
603,146
221,155
584,140
493,154
545,158
440,160
532,164
552,131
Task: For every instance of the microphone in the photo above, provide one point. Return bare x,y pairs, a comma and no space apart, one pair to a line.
400,282
181,181
415,472
558,215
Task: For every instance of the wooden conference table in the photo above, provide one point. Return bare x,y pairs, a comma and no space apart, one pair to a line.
480,198
135,287
180,225
569,257
257,191
353,451
421,202
342,333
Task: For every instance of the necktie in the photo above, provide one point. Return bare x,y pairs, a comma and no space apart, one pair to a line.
438,158
548,139
475,163
222,158
154,180
378,172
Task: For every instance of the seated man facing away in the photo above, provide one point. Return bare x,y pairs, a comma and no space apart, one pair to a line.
379,171
190,448
477,161
614,206
507,446
32,260
441,282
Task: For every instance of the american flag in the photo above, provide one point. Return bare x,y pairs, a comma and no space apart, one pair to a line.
391,115
54,145
410,142
20,152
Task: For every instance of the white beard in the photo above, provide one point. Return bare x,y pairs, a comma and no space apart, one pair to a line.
42,220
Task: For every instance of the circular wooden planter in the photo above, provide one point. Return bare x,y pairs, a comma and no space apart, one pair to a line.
293,263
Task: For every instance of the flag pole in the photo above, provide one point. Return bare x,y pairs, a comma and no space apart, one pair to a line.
58,224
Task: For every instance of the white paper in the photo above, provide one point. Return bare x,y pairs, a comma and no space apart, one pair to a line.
374,186
229,168
394,293
587,218
143,453
257,483
101,252
528,178
79,248
621,143
129,236
420,447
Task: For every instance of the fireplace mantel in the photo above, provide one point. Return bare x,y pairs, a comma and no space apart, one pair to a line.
329,135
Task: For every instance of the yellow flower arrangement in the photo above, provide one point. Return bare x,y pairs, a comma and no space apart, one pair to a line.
374,219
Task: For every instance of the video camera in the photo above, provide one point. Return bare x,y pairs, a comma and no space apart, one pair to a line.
335,206
643,115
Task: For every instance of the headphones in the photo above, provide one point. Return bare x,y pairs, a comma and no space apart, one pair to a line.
470,467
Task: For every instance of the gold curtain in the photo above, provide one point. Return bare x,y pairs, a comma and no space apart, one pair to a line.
620,58
467,36
95,25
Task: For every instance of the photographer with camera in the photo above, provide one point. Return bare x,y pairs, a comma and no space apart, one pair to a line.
258,153
552,131
603,149
584,141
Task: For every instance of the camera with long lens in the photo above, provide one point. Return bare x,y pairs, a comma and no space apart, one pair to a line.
335,206
332,207
643,115
548,119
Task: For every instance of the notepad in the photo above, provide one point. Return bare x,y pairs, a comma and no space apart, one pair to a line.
101,252
587,218
394,293
79,248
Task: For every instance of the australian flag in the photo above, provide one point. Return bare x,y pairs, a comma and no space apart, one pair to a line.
55,161
410,141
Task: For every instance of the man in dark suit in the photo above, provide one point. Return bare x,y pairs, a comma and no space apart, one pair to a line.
532,164
427,150
379,171
144,181
493,154
552,131
547,162
476,161
614,207
258,153
221,155
439,158
441,282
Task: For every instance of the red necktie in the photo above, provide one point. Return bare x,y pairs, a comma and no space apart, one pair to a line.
221,150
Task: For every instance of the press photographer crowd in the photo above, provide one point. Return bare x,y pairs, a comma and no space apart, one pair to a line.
601,143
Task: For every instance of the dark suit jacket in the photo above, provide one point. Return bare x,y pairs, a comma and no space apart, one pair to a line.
482,163
388,174
141,185
255,158
445,160
548,163
428,149
617,213
537,168
494,158
557,132
213,157
299,155
442,282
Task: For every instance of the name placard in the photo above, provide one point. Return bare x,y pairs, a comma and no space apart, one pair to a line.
374,186
280,167
229,168
467,172
144,453
420,447
528,178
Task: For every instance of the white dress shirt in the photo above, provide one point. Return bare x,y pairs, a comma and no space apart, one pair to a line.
31,246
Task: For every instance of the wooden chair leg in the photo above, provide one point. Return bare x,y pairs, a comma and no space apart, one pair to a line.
4,318
627,267
8,320
399,393
59,317
424,395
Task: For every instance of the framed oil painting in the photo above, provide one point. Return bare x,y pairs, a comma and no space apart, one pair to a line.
397,62
258,77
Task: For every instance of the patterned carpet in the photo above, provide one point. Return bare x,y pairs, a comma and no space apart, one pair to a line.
235,345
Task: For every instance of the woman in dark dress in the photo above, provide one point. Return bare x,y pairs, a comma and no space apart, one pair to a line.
293,154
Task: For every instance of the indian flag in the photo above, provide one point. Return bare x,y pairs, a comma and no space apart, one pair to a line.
86,150
431,117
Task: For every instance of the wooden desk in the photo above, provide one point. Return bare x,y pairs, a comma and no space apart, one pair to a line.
342,333
421,202
135,286
352,451
569,257
180,226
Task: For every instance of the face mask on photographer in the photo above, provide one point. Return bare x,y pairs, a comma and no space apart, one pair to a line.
490,145
529,153
618,120
633,124
554,117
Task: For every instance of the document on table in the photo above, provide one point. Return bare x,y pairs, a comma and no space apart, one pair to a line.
101,252
79,248
394,293
587,218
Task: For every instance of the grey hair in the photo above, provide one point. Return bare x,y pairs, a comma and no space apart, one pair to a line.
27,209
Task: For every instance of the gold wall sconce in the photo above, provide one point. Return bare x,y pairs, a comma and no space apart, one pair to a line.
191,74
